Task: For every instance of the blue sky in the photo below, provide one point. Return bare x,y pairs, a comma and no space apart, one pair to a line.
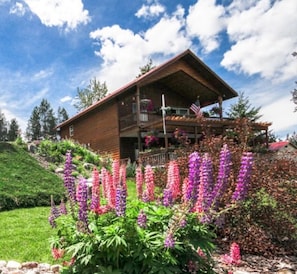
48,48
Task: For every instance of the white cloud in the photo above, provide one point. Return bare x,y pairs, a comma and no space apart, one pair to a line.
66,99
18,9
281,113
121,48
150,10
205,21
59,13
263,37
42,74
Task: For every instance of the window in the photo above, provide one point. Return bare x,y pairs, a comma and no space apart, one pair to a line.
71,131
180,111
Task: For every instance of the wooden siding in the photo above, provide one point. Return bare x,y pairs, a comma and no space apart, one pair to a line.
98,129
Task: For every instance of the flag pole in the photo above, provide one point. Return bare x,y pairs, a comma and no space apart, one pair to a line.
164,123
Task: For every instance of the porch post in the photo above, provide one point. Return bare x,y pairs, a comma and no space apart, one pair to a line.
138,118
196,132
220,100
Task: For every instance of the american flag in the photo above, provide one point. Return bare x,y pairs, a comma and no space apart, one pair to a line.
195,109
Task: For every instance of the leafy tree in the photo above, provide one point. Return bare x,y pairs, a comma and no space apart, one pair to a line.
13,131
243,109
3,127
62,115
33,131
94,92
146,68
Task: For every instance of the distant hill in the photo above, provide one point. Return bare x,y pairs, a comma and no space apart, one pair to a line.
23,181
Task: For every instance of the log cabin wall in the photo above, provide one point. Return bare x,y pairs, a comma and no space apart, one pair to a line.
98,130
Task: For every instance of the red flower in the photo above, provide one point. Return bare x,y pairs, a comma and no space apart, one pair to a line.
57,253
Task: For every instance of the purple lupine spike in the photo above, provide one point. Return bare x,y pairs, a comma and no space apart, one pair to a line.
223,174
167,197
207,181
243,178
169,241
142,219
202,203
120,203
194,176
55,213
69,181
63,209
183,223
82,199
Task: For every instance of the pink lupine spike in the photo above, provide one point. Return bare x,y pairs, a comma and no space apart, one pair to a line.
173,179
116,172
149,193
110,190
139,181
95,202
122,177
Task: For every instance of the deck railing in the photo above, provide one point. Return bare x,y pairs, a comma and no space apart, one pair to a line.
157,158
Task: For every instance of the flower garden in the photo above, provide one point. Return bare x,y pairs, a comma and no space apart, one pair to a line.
178,215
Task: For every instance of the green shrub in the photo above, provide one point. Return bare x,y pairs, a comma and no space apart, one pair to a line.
119,245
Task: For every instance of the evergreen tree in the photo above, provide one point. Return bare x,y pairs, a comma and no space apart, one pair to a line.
3,127
94,92
243,109
62,115
47,119
51,122
33,131
13,131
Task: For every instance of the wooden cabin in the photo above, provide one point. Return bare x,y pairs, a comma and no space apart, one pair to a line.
156,103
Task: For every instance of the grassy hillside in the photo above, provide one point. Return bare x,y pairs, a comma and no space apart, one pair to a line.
23,182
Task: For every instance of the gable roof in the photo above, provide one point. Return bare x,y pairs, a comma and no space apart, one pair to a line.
279,145
189,84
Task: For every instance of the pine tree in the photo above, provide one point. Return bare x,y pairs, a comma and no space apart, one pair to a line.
33,131
3,127
47,119
51,122
243,109
13,131
62,115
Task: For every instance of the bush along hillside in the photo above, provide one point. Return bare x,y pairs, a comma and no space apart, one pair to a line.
84,159
23,182
265,222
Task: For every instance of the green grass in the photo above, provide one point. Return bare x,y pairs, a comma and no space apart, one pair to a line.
23,182
24,235
26,186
